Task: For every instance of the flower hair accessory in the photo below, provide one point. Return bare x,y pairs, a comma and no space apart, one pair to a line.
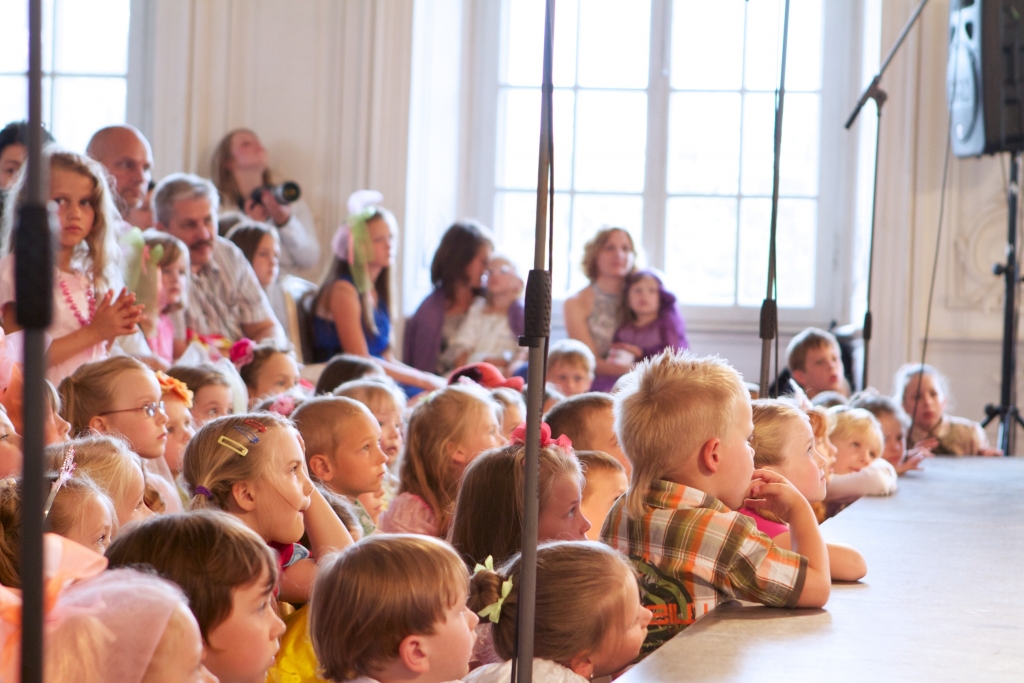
242,352
174,387
518,436
284,405
66,470
351,242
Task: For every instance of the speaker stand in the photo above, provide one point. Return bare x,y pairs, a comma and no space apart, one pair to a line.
1006,412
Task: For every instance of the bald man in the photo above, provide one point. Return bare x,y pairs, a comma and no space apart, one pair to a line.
127,156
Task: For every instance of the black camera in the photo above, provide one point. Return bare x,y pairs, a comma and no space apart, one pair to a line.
285,193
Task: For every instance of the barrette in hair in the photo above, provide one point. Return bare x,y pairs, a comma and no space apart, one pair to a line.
66,470
255,424
233,445
247,433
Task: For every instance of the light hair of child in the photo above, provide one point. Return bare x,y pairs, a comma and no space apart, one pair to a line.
69,505
847,422
879,405
488,515
773,423
376,394
511,403
908,372
196,377
98,253
217,467
808,340
668,407
576,603
571,416
107,460
10,533
439,422
88,392
573,353
343,368
208,553
174,251
598,461
374,594
322,421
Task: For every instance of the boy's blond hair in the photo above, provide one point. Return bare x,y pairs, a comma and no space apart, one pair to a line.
369,597
571,416
572,352
322,420
847,422
373,392
668,407
773,422
808,340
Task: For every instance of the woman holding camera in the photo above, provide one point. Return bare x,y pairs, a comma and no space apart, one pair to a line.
239,171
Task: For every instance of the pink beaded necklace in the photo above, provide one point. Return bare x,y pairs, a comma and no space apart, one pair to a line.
90,296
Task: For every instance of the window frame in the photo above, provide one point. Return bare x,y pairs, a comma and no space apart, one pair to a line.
842,28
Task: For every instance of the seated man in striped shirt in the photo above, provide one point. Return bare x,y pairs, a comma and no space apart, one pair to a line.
685,424
224,297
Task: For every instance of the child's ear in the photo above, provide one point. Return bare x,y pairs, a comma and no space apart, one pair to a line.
320,467
98,424
455,453
582,665
708,456
800,376
413,654
243,495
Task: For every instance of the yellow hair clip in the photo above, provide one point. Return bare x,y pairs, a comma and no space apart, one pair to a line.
230,443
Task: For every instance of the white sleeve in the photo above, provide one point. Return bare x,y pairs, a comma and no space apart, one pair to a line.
874,480
299,245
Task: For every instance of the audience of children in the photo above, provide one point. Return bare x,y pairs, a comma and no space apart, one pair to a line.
814,360
570,367
923,392
858,469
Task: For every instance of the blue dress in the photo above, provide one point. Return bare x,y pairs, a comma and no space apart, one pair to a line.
325,335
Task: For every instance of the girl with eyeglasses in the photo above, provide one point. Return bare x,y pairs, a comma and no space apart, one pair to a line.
121,396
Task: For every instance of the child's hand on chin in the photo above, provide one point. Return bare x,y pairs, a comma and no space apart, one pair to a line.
772,492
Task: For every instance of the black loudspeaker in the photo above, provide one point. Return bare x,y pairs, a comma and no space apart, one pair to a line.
985,76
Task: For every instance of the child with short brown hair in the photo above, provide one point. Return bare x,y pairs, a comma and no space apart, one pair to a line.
606,482
685,423
816,363
229,575
266,368
212,396
571,366
589,421
393,608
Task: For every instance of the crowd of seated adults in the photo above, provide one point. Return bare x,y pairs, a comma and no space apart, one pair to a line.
320,515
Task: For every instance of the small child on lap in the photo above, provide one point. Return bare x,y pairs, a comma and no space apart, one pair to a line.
685,424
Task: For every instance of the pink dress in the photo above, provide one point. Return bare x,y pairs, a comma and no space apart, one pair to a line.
163,343
765,526
408,514
64,320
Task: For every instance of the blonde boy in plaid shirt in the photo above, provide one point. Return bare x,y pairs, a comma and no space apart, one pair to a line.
685,424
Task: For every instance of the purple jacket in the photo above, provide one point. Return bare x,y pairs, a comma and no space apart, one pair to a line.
422,342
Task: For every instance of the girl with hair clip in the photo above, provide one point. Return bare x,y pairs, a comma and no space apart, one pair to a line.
121,396
91,306
253,467
653,322
456,272
110,464
240,167
172,293
117,625
266,369
488,516
784,442
589,621
594,313
353,307
447,431
924,393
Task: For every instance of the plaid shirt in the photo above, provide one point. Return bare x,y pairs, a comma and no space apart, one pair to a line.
693,553
225,294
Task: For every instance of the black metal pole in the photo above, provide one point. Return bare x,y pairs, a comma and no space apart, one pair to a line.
874,92
537,330
769,308
34,296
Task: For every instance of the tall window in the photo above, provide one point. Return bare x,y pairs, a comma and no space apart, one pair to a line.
85,66
664,119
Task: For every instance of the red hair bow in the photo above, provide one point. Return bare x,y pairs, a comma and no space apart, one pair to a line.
241,353
519,436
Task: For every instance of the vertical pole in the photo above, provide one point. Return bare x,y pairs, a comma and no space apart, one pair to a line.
879,97
537,330
1011,276
33,294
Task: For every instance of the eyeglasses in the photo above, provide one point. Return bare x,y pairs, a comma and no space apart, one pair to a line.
151,409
